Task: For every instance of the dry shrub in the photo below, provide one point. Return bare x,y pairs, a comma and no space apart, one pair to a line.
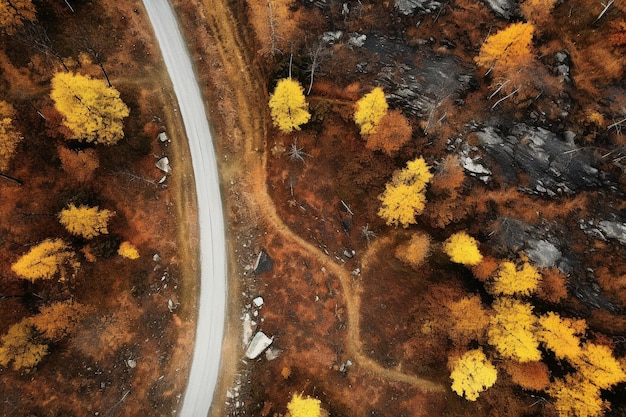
529,375
415,251
449,177
618,38
151,129
486,268
273,23
613,283
79,164
552,286
537,11
391,133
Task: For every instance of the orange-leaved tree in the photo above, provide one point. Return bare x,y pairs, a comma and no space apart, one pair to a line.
21,347
91,109
288,107
404,196
304,406
79,164
46,260
561,335
511,330
369,110
9,136
14,13
415,251
468,320
513,280
537,11
472,374
58,320
462,249
390,134
85,221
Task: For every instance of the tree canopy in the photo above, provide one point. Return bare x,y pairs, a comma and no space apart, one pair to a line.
91,110
9,136
472,374
462,249
45,260
14,13
390,134
128,250
511,280
511,330
288,106
20,347
85,221
507,48
369,110
300,406
404,197
561,335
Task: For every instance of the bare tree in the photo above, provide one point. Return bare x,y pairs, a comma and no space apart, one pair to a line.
296,153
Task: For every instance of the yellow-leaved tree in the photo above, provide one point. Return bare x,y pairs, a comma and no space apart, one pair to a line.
14,13
128,250
577,397
46,260
508,48
304,406
9,136
511,330
288,107
561,335
511,280
85,221
370,109
597,364
472,374
404,196
91,110
19,346
462,249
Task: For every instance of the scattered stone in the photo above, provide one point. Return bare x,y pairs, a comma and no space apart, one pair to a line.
503,8
258,301
331,37
614,230
131,363
408,7
543,253
263,263
248,328
349,253
357,40
258,344
162,137
271,354
164,165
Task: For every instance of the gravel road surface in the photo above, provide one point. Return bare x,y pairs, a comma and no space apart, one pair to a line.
212,299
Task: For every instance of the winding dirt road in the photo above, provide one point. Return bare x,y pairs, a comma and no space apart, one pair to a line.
212,298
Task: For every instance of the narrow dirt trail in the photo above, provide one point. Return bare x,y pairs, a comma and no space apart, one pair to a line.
250,99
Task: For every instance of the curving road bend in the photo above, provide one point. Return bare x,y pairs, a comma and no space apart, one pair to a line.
212,298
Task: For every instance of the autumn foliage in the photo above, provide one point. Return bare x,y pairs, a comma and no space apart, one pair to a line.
14,13
468,320
472,374
46,260
93,111
369,111
462,249
304,406
511,330
391,133
513,280
288,106
85,221
404,196
79,164
508,48
9,136
128,250
415,251
20,346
